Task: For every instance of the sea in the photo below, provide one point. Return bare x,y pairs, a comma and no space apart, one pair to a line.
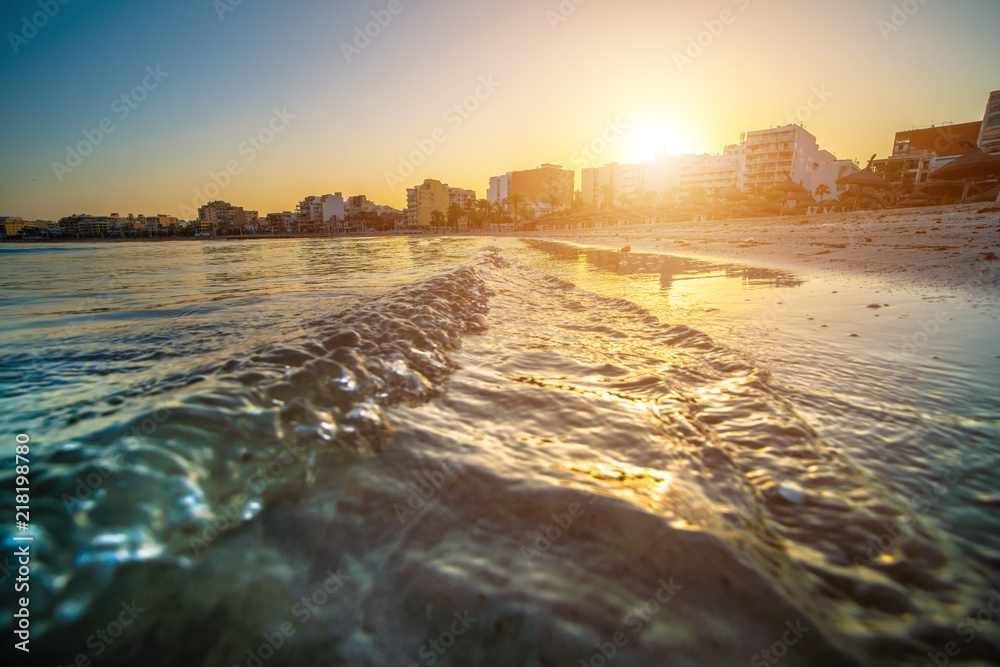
491,451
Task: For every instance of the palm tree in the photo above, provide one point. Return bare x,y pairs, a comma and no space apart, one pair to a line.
553,200
577,200
607,195
513,202
822,190
498,210
437,218
483,206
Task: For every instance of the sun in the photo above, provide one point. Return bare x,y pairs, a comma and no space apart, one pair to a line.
646,142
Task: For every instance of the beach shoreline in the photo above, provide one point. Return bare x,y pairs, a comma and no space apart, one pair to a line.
944,246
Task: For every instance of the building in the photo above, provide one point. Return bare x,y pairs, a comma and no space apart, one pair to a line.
621,181
499,189
464,199
317,213
281,223
89,226
221,216
11,226
535,187
937,140
712,173
917,152
827,172
773,155
424,200
989,133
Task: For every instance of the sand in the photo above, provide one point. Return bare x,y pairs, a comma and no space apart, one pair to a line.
943,246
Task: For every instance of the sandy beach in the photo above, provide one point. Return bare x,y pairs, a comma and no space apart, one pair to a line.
945,246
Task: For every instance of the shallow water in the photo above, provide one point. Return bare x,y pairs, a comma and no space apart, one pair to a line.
469,451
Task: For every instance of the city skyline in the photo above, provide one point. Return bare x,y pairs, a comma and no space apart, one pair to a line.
278,103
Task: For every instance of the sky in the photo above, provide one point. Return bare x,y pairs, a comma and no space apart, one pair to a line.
155,108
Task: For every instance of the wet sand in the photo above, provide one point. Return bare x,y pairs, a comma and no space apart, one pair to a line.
943,246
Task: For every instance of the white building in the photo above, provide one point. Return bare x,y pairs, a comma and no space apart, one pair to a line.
776,153
320,210
827,173
499,188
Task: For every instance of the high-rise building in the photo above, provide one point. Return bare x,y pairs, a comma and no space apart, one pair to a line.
777,153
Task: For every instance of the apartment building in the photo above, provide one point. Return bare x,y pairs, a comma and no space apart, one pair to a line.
317,212
776,153
423,200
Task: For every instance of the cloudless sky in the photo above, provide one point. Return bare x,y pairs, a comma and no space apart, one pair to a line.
559,86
